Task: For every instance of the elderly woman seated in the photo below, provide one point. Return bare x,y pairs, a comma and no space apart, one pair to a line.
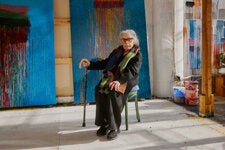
120,75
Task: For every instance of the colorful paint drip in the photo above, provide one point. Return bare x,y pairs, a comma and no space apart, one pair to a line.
109,16
218,41
195,43
14,28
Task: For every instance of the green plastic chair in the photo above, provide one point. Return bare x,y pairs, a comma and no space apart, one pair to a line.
132,95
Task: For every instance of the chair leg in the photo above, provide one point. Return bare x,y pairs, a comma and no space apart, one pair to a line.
126,114
137,109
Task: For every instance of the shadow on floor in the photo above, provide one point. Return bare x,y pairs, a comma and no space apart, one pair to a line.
219,109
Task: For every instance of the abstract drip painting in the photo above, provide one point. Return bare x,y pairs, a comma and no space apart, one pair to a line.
195,43
218,40
14,27
109,22
95,27
27,69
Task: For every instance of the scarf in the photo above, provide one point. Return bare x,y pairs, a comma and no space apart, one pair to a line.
122,66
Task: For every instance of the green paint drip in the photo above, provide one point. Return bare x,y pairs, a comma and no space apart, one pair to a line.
13,19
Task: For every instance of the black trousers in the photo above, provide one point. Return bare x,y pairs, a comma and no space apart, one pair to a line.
109,108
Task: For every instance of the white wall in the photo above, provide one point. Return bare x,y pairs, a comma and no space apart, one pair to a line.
178,37
149,25
160,28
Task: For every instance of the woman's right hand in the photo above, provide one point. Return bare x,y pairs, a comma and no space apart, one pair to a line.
84,62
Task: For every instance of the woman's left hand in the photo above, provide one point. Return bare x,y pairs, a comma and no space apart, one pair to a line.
114,85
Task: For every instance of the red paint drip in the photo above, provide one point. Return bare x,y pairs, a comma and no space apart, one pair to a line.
108,3
18,9
12,52
13,45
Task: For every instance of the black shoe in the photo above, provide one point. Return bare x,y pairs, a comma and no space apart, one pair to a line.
102,131
118,131
112,135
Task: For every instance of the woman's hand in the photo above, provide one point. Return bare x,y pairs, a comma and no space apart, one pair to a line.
84,62
114,85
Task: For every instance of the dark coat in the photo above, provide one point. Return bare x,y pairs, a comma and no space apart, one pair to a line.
110,105
130,74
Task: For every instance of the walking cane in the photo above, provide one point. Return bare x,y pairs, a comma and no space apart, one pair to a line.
85,88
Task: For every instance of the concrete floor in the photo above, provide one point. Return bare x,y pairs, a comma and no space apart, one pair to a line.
164,126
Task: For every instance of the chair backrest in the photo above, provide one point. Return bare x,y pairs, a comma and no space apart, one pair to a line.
135,88
133,93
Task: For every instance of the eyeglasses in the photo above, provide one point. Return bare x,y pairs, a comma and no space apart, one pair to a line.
127,40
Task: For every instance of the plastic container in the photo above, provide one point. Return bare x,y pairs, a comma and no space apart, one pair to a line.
191,93
191,102
191,85
179,94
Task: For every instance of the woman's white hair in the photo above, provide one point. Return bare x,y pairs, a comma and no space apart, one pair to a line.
132,33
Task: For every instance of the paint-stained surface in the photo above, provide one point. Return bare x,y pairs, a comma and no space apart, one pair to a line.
195,43
192,35
95,27
218,40
193,38
27,72
14,27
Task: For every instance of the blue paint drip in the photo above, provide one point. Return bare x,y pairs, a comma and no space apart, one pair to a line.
194,44
219,31
192,28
